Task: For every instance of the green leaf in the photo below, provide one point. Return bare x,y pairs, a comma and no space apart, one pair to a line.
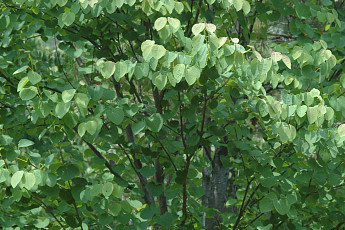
178,72
301,110
68,18
174,24
28,93
44,108
262,107
25,143
4,22
91,127
312,114
341,130
160,81
286,61
154,122
154,189
108,69
68,171
148,212
282,206
74,53
22,83
284,133
81,129
138,127
61,109
158,51
61,3
30,180
211,28
246,7
82,101
160,23
314,92
117,191
34,77
116,115
147,171
5,140
179,7
115,209
146,48
21,69
96,189
329,113
135,204
238,4
191,75
171,79
121,70
197,28
266,205
16,178
67,95
107,189
303,11
167,219
41,222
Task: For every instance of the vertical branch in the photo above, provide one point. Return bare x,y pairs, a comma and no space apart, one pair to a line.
242,205
70,187
196,18
163,206
148,197
191,9
181,124
203,117
184,192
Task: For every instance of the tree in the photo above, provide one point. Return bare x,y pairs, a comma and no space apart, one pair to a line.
172,114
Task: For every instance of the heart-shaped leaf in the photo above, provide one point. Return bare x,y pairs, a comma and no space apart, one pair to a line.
116,115
154,122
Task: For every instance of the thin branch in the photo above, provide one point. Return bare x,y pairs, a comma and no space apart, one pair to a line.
184,191
40,202
93,148
196,17
148,197
134,54
165,150
181,124
203,117
70,187
60,64
243,206
191,8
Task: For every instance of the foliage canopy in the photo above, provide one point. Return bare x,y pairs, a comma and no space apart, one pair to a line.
129,114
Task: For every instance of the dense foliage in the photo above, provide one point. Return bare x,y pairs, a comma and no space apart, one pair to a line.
130,114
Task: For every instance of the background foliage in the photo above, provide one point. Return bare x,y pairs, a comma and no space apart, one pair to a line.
129,114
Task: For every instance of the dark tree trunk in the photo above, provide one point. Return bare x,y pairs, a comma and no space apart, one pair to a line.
215,184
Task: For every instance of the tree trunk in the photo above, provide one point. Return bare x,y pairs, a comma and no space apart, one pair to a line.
215,186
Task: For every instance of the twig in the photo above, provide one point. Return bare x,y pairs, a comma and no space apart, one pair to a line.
196,18
203,117
181,124
243,206
172,162
60,64
40,202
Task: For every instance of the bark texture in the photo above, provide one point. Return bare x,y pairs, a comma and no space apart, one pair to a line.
215,183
